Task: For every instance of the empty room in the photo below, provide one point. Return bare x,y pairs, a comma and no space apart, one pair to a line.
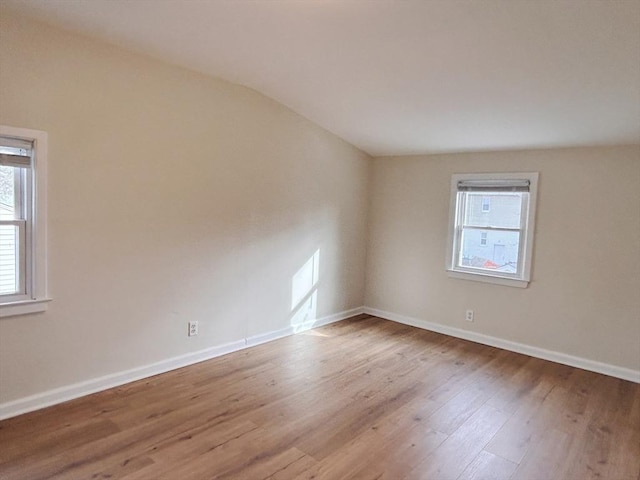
320,239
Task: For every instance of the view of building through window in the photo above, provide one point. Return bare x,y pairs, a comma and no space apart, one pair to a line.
491,236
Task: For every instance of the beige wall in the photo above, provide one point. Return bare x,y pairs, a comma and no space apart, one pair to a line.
172,197
584,298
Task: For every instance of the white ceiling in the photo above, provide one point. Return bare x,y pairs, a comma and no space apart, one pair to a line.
402,77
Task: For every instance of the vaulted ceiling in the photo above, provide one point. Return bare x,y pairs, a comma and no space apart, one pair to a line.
401,77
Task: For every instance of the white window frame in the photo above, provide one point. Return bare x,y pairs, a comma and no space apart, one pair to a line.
527,228
36,297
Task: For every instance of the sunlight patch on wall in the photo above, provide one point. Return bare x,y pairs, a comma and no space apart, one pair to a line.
304,293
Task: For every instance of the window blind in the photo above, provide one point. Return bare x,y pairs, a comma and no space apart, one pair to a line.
493,185
15,152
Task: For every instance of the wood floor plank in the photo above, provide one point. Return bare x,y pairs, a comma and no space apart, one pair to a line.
545,458
608,409
359,399
266,466
622,461
292,470
487,466
69,437
382,447
451,458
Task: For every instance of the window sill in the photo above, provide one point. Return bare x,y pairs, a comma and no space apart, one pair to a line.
23,307
478,277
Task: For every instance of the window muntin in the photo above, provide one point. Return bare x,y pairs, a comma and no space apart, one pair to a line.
496,243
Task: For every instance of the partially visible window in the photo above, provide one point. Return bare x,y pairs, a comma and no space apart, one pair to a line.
22,221
15,216
500,206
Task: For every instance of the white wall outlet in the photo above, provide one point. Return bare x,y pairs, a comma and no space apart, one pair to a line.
193,328
469,316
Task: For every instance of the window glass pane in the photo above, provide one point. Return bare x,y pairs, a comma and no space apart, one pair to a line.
493,209
494,251
8,192
9,258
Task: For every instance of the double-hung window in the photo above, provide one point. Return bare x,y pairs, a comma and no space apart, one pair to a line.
492,244
22,221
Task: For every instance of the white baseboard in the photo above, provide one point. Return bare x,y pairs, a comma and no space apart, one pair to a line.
80,389
558,357
69,392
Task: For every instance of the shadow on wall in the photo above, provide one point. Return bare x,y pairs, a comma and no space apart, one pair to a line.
304,293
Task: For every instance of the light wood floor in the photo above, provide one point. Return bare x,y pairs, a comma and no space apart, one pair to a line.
363,398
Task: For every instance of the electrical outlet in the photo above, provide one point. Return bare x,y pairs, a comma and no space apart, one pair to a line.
193,328
469,316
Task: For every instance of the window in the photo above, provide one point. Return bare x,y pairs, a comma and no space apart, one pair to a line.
22,221
497,208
